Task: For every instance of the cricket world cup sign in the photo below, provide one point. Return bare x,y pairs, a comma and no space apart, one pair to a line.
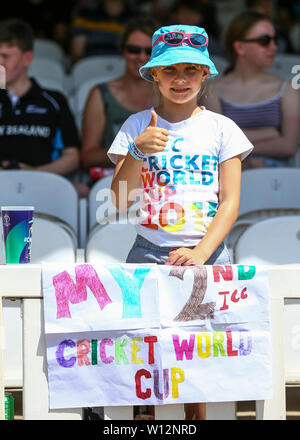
126,334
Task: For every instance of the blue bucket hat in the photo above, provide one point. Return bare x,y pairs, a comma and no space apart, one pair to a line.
165,55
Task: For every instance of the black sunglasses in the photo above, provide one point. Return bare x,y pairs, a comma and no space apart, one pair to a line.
263,40
138,49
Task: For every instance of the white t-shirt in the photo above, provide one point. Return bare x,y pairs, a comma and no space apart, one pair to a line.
180,184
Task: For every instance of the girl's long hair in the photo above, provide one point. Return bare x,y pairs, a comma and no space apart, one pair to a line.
237,30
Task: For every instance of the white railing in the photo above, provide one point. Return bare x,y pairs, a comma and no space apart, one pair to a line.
24,282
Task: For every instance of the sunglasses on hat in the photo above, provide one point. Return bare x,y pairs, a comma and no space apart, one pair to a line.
176,38
263,40
138,49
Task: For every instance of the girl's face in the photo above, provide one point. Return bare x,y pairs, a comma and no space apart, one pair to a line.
255,53
137,52
180,83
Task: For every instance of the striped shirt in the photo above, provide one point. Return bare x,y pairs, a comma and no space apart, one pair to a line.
255,115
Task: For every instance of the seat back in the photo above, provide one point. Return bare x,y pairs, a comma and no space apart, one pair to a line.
97,67
220,62
269,188
110,243
101,208
49,49
283,65
270,242
49,193
79,97
47,68
52,242
52,84
100,194
111,233
265,193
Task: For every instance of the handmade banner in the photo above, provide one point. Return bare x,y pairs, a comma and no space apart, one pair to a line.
127,334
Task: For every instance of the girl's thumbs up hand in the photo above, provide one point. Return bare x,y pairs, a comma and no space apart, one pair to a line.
153,139
153,121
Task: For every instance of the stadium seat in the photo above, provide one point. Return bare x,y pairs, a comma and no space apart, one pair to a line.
101,209
51,242
220,62
265,193
111,66
283,65
49,49
110,243
78,99
51,84
110,233
270,242
47,68
52,195
99,194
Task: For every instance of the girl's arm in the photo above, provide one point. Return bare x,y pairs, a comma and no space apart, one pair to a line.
93,125
256,135
229,198
126,179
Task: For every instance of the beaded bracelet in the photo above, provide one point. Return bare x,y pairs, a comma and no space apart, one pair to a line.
135,151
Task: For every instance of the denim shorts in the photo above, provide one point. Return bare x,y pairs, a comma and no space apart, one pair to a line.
272,162
143,251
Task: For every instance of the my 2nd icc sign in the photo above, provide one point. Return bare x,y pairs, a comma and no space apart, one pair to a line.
146,334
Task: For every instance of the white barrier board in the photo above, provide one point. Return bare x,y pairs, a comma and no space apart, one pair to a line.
126,334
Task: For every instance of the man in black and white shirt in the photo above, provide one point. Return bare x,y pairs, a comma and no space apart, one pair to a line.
37,128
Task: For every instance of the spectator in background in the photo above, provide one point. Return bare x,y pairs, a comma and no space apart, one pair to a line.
80,3
161,10
48,18
97,27
288,19
267,7
110,104
37,129
264,7
265,106
199,13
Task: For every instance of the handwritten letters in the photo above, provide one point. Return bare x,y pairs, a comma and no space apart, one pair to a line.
134,334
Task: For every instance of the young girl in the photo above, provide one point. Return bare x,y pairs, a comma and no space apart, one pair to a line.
186,159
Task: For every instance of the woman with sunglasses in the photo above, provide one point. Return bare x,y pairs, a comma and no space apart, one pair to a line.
266,107
185,163
109,104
